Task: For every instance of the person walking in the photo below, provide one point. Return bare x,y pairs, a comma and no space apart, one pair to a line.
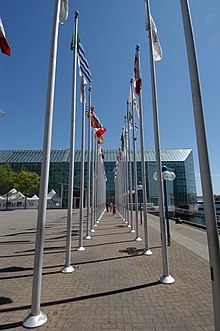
111,205
107,206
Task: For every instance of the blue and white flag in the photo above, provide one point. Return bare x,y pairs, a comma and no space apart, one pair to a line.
133,126
82,61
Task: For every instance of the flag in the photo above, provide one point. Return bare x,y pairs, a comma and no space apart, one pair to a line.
2,113
102,139
63,11
3,42
136,105
133,126
157,51
100,131
82,91
95,120
129,116
137,76
82,60
130,96
122,141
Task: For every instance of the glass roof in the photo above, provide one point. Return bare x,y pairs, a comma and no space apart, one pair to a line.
28,156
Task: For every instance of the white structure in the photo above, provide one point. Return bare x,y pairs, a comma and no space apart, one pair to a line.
16,200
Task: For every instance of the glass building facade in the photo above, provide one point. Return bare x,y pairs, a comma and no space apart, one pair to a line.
181,192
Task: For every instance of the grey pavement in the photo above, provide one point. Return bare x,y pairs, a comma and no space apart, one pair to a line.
114,286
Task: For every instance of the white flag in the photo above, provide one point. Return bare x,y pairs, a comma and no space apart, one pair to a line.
130,96
136,105
157,51
63,11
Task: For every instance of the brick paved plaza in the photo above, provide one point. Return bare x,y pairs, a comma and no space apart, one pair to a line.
114,286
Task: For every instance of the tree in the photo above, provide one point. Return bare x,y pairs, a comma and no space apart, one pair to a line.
27,182
7,178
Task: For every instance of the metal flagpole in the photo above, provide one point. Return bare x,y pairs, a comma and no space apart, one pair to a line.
209,207
95,181
165,278
36,318
81,248
68,268
88,165
126,174
130,172
143,171
138,238
92,185
123,178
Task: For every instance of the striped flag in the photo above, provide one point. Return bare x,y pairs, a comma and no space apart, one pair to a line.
2,113
82,60
3,42
133,126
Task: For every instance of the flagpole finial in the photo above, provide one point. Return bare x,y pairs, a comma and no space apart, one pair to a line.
76,13
90,88
137,47
131,80
127,102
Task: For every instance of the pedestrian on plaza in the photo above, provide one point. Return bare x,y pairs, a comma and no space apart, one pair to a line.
107,206
111,205
114,208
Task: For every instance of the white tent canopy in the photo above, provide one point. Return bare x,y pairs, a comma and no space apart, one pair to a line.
16,200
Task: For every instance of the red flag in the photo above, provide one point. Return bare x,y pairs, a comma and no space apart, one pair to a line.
137,77
99,131
3,42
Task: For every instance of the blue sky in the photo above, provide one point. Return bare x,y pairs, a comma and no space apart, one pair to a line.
109,31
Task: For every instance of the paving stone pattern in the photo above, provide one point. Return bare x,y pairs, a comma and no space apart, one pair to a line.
113,287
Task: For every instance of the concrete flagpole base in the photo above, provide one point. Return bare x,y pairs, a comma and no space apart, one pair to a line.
32,321
132,231
68,269
81,249
138,239
148,252
88,237
167,279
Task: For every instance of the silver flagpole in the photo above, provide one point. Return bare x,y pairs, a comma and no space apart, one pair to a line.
165,278
143,171
138,238
95,181
36,318
130,172
88,166
209,207
92,185
126,174
123,179
81,248
68,268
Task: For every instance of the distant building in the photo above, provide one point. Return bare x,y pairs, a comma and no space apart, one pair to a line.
181,192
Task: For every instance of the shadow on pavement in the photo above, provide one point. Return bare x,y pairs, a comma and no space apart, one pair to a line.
85,297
